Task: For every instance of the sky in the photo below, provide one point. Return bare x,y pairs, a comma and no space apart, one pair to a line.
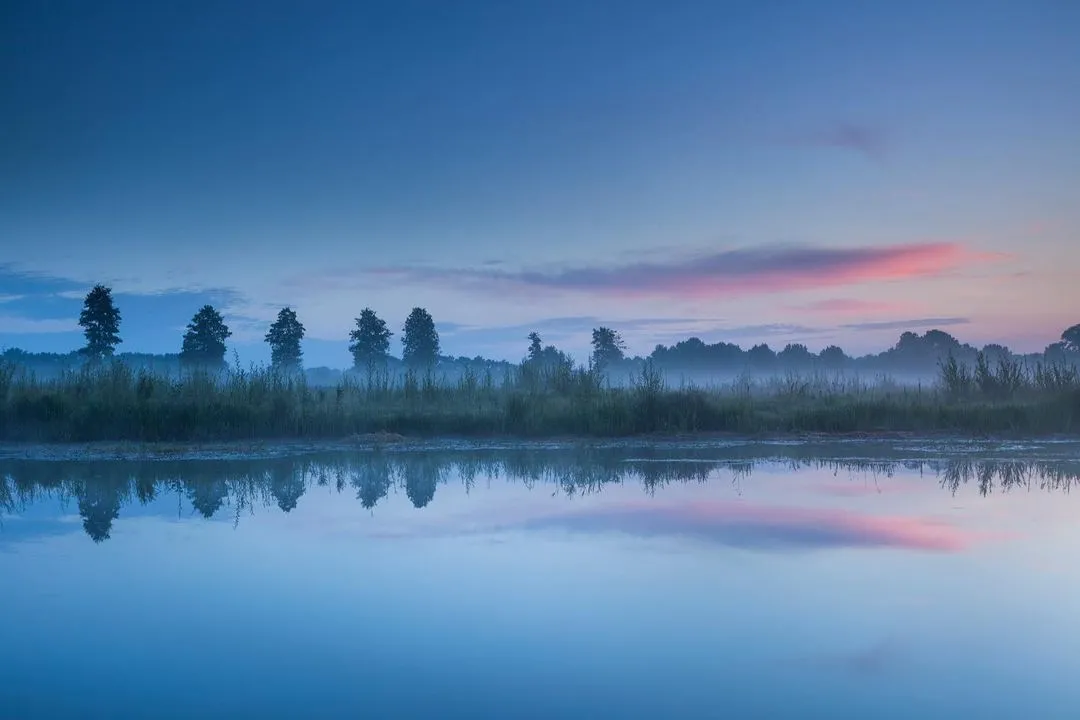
815,172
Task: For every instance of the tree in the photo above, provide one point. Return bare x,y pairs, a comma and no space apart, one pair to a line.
100,321
420,343
370,345
795,355
284,337
1056,353
1071,338
204,341
608,347
535,346
940,342
995,353
761,356
832,356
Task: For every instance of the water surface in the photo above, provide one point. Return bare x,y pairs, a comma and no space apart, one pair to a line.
842,580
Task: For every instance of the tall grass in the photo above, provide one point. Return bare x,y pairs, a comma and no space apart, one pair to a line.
114,402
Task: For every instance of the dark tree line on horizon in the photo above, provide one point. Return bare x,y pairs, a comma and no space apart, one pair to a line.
203,345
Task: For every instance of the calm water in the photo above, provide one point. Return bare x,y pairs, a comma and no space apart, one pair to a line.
855,580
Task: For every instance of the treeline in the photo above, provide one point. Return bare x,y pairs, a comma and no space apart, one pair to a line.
204,346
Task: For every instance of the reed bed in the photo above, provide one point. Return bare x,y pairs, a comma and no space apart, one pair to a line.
114,402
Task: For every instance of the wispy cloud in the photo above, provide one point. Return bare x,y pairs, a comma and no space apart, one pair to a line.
15,325
867,140
575,324
10,298
916,324
852,306
767,269
875,659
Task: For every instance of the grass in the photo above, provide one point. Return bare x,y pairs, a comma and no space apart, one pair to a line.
114,402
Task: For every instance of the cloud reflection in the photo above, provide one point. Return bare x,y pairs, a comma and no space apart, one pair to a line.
754,527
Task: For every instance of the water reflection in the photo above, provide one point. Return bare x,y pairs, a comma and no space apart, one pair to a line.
102,489
755,527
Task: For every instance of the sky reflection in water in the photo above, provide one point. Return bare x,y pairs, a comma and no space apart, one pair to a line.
787,581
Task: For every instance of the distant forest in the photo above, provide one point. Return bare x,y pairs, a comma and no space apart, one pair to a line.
204,345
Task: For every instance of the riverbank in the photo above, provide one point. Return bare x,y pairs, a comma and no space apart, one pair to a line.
862,447
115,404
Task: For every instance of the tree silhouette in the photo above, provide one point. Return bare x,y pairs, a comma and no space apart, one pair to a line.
761,356
1071,338
284,338
370,346
832,356
204,341
420,343
535,346
795,355
608,347
100,321
927,350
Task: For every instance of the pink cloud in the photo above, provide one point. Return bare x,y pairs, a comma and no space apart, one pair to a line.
738,525
767,269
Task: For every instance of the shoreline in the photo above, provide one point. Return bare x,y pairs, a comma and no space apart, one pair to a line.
153,451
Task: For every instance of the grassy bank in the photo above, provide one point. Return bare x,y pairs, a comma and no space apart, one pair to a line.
117,403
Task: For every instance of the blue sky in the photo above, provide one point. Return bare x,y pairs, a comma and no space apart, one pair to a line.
797,171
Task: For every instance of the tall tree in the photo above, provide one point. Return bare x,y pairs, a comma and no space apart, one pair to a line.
370,346
608,347
420,343
100,321
204,341
284,338
536,348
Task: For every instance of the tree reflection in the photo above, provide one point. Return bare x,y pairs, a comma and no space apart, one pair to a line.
207,492
101,489
286,485
99,504
422,474
372,481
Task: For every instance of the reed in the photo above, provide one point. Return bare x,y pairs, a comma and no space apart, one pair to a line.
114,402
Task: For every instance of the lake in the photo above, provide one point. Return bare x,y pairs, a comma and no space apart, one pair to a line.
857,579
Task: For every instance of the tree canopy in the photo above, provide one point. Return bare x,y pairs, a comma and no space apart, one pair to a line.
608,347
370,346
535,346
204,341
284,338
420,342
100,321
